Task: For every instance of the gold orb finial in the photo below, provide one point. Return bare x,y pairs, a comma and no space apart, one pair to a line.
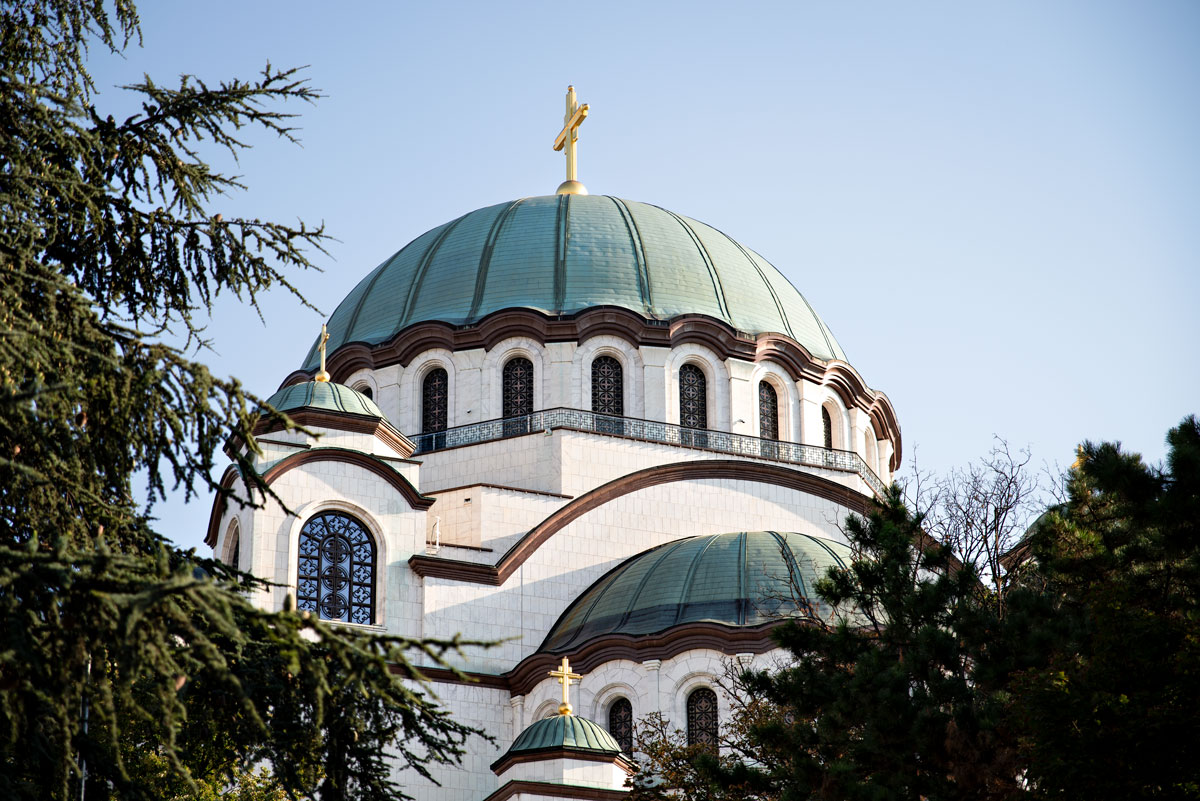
564,676
571,188
323,374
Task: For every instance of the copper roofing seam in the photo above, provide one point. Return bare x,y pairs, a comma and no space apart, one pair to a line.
787,324
639,255
691,575
667,549
562,236
485,258
414,287
789,557
713,274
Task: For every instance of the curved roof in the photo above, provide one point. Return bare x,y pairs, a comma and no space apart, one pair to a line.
738,579
564,731
324,395
561,254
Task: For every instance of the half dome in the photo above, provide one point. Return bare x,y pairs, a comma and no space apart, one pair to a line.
738,579
325,395
561,254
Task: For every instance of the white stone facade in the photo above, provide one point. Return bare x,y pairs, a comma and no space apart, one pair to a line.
550,512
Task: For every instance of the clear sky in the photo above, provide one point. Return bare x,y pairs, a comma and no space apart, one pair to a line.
994,206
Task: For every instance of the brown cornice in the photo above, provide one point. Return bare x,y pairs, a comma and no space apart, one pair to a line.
571,791
717,335
358,458
728,640
218,506
508,760
496,575
504,487
384,431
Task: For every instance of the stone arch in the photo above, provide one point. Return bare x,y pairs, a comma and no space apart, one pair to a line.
788,395
631,364
373,527
492,375
715,373
411,387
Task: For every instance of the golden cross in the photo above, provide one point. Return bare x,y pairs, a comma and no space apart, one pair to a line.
323,376
567,138
564,676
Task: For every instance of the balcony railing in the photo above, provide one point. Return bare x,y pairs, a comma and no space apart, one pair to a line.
649,431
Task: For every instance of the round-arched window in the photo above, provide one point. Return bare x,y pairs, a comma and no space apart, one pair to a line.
336,571
620,723
702,718
693,397
608,386
827,428
768,411
435,398
518,387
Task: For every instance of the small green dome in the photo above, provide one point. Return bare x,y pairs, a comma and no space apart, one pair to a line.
561,254
324,395
564,731
740,579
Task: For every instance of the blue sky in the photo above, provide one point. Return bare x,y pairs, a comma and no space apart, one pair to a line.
994,206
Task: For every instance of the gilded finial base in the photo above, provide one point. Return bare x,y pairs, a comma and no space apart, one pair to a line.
564,709
323,377
571,188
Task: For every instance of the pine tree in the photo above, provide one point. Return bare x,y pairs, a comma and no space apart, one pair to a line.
129,668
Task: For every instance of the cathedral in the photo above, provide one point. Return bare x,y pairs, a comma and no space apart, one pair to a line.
595,430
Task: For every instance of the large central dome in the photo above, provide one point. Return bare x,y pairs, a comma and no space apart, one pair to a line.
562,254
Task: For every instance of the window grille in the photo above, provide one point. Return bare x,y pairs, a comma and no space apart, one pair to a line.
827,425
620,724
608,386
768,411
702,718
435,401
693,397
518,387
337,569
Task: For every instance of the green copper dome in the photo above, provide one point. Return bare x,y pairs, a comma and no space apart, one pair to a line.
324,395
739,579
562,254
564,731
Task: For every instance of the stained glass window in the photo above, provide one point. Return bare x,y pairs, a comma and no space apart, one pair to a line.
435,397
693,397
620,724
827,425
768,411
702,718
608,386
337,569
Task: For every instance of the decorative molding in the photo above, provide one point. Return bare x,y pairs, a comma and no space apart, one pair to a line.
343,421
504,487
370,463
540,755
495,575
552,790
716,335
225,487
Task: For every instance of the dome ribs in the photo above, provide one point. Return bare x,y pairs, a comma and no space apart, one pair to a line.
414,288
639,256
714,273
485,258
787,324
562,227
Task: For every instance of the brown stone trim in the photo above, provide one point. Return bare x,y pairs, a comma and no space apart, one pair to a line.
459,570
729,640
282,443
509,789
464,547
508,760
630,326
500,487
447,676
365,461
343,421
218,506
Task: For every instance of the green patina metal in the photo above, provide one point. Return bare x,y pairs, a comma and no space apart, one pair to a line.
565,731
562,254
324,395
738,579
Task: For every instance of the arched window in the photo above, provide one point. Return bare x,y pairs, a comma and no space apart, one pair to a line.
693,397
518,387
365,389
768,411
608,386
702,718
435,399
337,569
827,427
233,547
620,723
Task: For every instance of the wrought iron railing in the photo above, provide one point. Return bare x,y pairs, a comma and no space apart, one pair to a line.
649,431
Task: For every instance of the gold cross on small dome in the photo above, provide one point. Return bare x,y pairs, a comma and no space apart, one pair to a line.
565,676
322,375
566,140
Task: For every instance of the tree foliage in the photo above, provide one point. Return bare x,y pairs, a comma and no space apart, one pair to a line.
1073,675
129,668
